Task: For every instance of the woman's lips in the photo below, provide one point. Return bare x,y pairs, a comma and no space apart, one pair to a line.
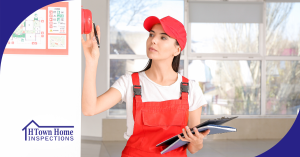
152,49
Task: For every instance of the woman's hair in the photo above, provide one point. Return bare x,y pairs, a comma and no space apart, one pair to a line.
175,62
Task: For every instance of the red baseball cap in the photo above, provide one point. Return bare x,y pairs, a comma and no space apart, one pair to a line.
171,26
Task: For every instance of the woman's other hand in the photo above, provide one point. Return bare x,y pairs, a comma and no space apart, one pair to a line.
196,141
90,46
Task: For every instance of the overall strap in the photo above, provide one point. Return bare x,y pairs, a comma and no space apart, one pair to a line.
184,88
137,92
135,78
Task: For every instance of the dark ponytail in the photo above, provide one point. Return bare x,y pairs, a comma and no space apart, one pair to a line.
175,62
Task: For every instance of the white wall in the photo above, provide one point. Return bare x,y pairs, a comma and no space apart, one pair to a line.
92,125
46,89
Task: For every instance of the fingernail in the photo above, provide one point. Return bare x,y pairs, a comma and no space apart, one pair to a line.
94,38
187,127
182,129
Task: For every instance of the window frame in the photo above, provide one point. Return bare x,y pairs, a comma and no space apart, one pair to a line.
188,55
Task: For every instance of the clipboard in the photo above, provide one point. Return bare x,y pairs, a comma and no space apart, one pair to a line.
214,125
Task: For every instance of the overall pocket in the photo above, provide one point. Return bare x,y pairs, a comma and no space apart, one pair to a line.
164,117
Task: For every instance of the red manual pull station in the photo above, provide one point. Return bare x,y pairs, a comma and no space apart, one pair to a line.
86,21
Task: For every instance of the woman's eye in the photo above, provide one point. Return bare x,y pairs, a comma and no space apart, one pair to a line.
151,35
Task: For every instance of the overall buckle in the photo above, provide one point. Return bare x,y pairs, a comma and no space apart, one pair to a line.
184,88
137,91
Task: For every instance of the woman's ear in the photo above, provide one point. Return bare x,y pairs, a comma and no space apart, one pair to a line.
178,51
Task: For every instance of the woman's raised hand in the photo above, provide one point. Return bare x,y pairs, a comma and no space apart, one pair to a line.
90,46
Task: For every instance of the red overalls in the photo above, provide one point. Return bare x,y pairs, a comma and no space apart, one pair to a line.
155,122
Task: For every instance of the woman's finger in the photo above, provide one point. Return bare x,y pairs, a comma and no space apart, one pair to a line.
181,138
82,39
205,133
190,134
185,135
197,134
88,37
98,32
92,32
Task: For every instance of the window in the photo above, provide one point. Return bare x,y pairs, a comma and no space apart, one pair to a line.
127,33
283,87
219,56
283,29
282,65
224,38
230,87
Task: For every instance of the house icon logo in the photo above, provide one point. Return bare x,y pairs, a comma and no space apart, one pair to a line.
34,132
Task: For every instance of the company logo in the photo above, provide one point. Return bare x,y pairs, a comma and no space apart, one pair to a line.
48,133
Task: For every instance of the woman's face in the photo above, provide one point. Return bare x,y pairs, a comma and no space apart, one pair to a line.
163,44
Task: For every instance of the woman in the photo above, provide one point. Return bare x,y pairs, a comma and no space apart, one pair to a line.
160,102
